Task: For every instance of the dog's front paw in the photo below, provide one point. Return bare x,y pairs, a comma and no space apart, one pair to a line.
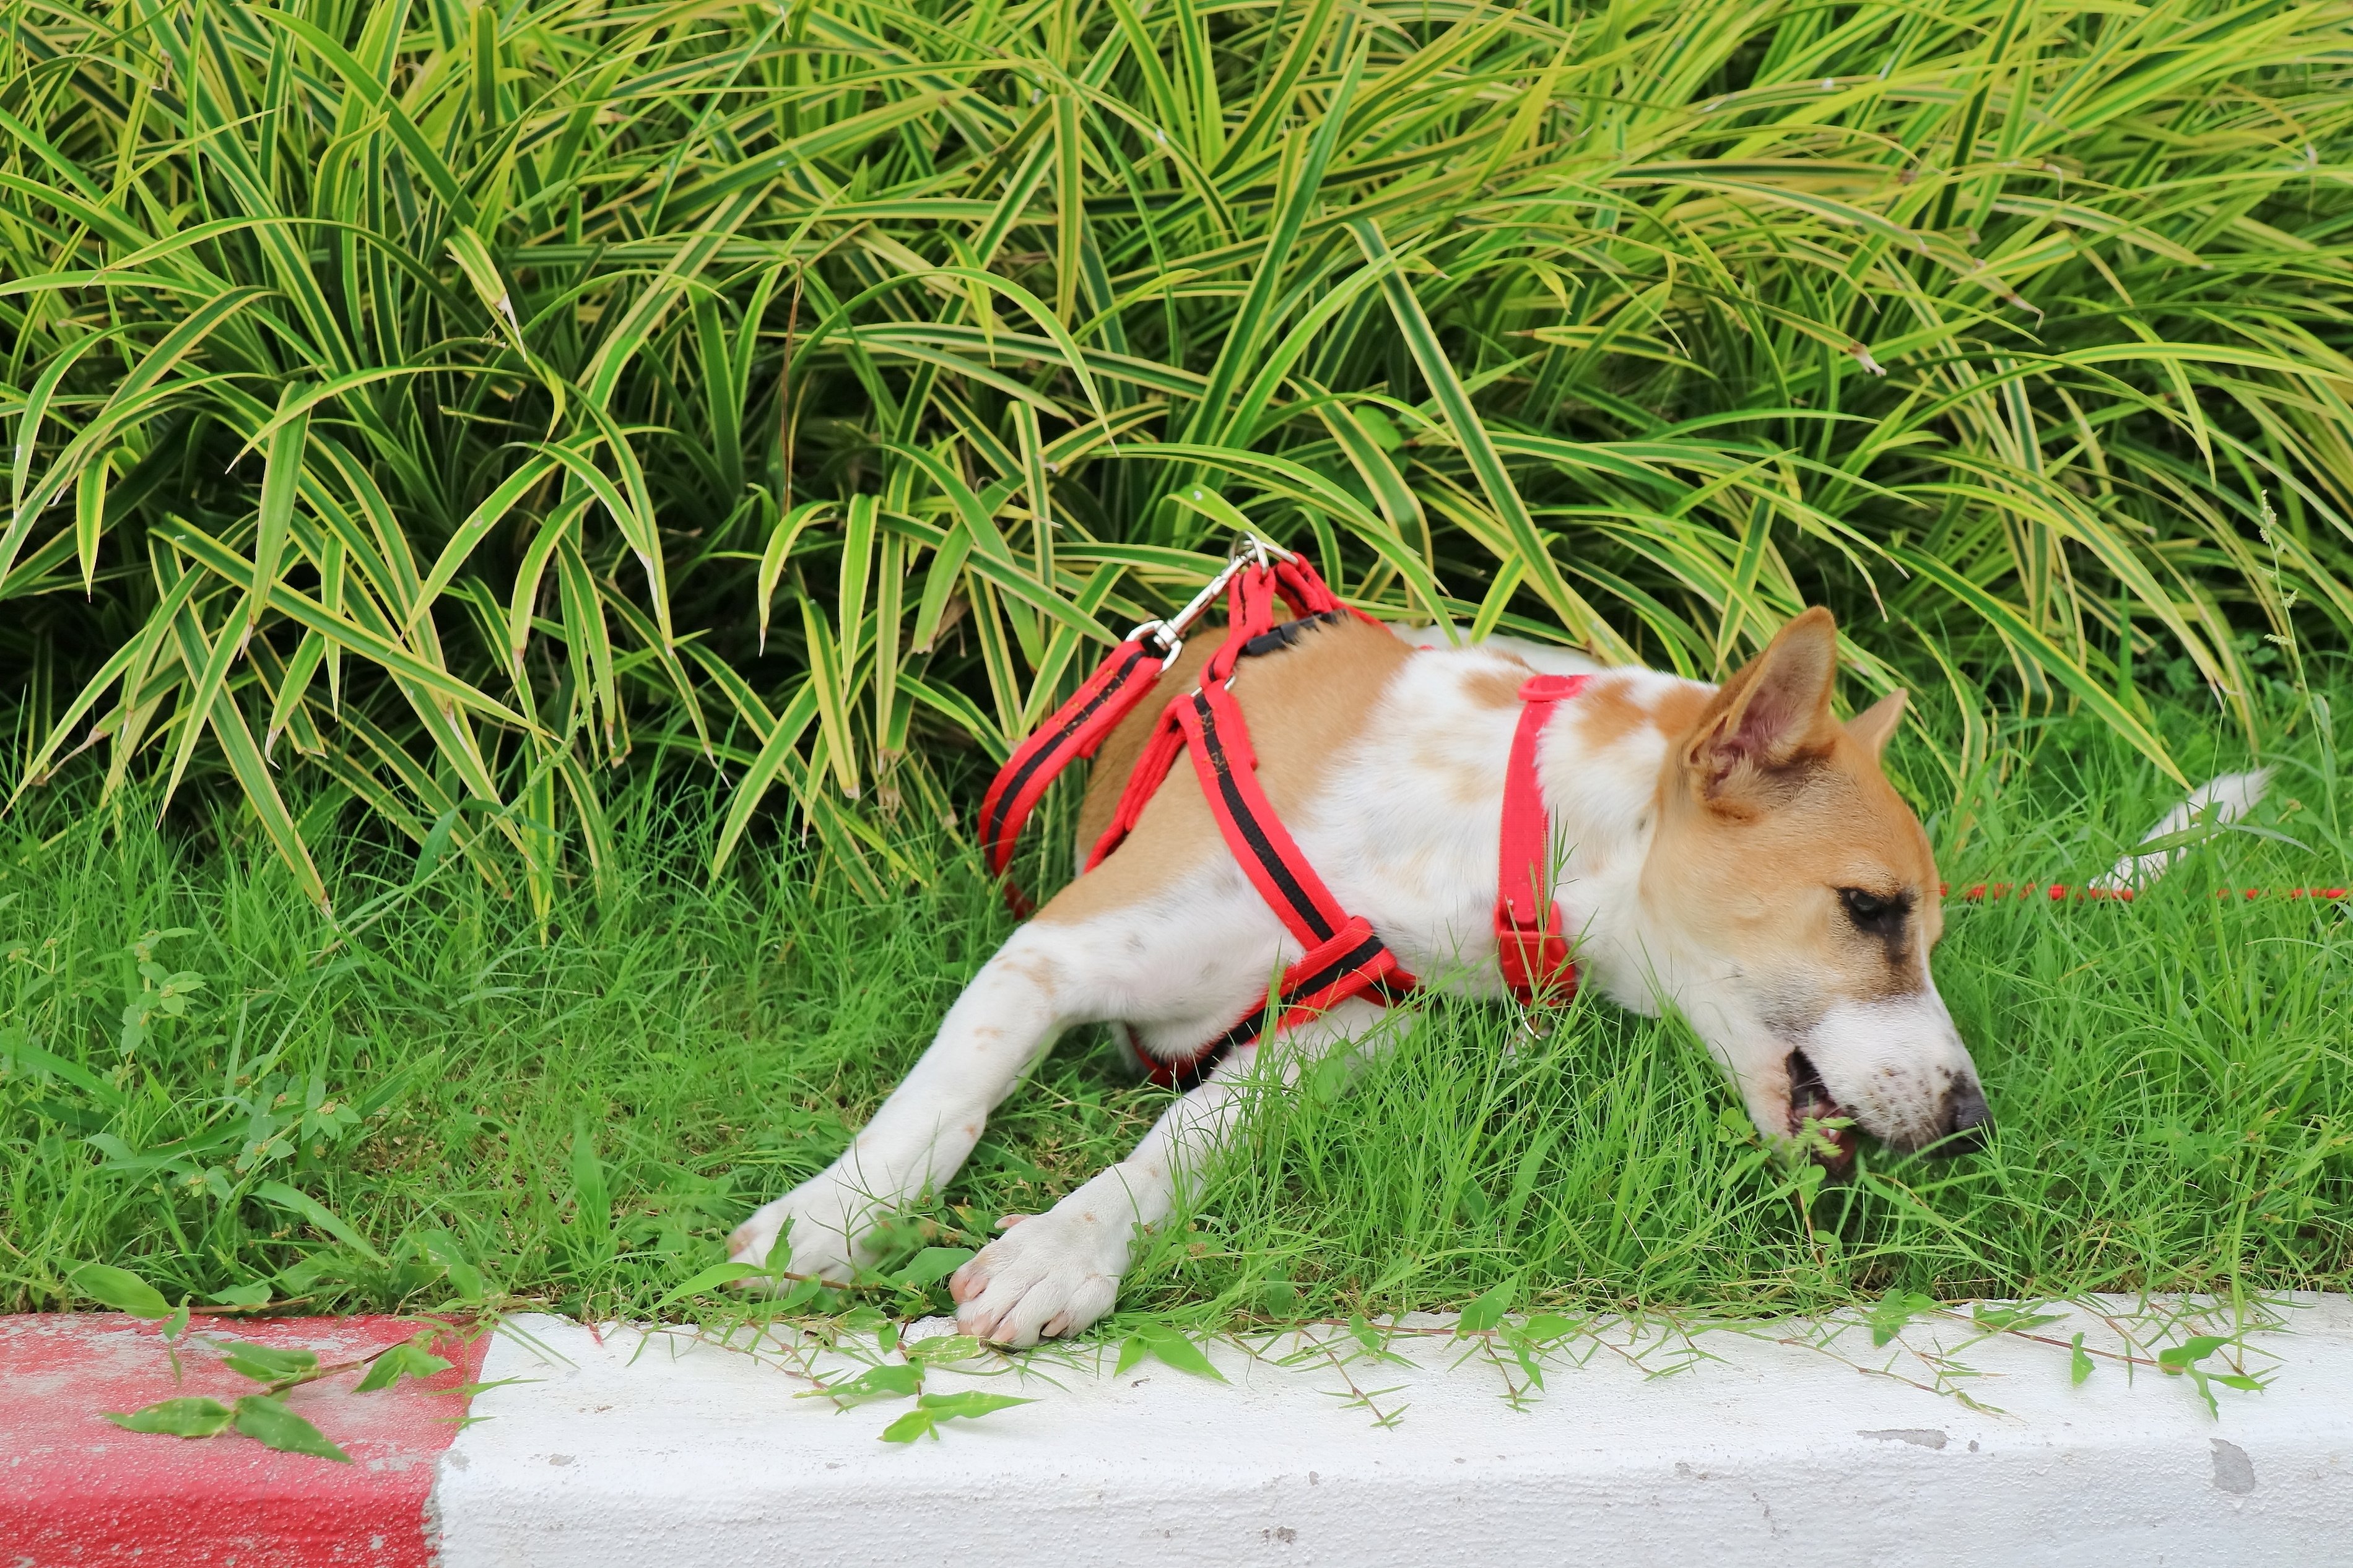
827,1221
1052,1273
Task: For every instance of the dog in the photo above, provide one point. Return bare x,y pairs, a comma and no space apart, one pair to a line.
1735,852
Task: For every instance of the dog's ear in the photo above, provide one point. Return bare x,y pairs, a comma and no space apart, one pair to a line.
1773,715
1877,724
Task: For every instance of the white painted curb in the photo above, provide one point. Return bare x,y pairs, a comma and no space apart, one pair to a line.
630,1450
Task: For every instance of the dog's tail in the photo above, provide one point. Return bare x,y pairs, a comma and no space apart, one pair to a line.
2215,803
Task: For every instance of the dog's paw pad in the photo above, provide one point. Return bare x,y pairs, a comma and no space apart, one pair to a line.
1050,1277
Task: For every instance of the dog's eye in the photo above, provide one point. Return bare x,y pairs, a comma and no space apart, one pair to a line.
1877,914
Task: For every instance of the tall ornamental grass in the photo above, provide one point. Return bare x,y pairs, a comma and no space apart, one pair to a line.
451,403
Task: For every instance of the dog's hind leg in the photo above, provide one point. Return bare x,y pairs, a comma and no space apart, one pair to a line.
1057,1272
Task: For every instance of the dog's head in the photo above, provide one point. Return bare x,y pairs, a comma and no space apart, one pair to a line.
1802,901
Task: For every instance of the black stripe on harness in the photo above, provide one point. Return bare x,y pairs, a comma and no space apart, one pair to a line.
1190,1075
1288,632
1045,754
1237,808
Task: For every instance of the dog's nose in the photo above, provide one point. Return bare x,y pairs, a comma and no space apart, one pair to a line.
1967,1121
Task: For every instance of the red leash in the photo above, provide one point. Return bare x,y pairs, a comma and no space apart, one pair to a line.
1344,956
1076,730
2062,892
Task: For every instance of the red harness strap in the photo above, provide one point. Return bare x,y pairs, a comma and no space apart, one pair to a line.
1344,957
1249,621
1076,730
1530,945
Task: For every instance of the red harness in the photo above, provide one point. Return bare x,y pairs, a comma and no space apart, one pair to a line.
1344,957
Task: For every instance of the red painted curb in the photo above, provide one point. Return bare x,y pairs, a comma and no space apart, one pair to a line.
76,1490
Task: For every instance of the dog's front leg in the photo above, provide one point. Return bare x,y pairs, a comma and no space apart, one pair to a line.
1057,1272
1004,1021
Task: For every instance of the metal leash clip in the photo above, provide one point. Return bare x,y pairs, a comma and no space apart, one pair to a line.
1248,546
1247,549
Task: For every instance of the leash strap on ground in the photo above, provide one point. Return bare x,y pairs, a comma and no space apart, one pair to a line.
2066,892
1530,944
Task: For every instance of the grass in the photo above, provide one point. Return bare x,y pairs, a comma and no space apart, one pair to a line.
439,1105
426,404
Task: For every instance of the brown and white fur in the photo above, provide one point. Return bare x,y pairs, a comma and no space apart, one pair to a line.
1734,852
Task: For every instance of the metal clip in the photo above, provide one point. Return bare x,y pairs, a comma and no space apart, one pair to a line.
1171,645
1250,546
1247,549
1170,633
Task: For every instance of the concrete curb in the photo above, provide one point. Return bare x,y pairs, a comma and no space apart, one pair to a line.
630,1448
1791,1443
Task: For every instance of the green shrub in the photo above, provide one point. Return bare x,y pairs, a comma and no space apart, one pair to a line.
457,400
